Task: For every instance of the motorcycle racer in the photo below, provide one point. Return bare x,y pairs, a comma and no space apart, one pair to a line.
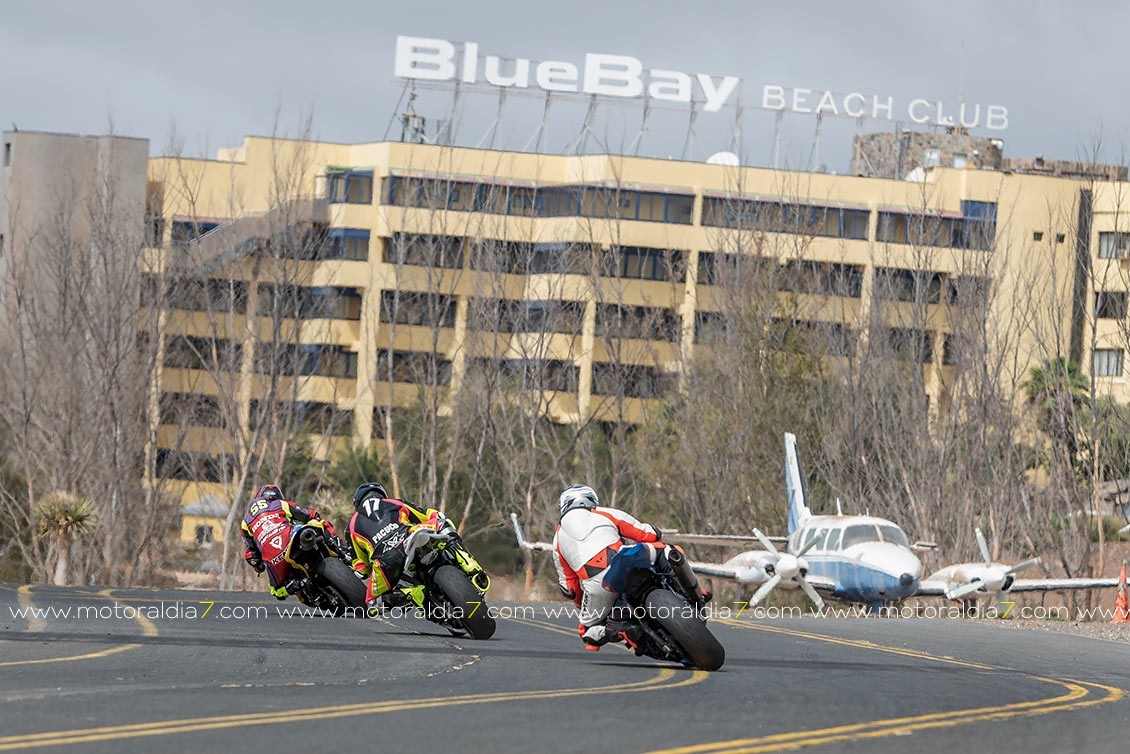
268,516
378,531
586,549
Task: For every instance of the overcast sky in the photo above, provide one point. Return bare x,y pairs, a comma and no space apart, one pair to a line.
216,71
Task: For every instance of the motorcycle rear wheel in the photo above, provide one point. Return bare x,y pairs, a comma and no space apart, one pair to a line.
341,579
700,646
465,598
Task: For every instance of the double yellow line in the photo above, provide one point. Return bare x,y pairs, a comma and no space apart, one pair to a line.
661,681
1077,694
36,625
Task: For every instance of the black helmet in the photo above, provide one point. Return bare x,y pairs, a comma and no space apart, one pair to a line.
366,491
269,492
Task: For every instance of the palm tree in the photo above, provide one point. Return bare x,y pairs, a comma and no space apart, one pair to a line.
1058,390
66,516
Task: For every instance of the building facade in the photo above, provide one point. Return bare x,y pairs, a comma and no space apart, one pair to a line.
594,278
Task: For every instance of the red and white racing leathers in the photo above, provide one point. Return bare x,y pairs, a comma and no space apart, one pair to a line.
583,547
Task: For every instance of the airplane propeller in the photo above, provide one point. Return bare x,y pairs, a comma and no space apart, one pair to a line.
786,566
995,578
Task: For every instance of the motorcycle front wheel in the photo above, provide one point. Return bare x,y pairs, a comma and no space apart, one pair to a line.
472,613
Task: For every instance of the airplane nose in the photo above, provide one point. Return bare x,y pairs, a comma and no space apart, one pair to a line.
906,579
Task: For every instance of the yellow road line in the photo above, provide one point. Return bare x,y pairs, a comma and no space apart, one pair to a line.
71,658
1076,697
56,738
34,623
147,627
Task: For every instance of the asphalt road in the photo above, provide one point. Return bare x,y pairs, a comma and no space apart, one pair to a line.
245,678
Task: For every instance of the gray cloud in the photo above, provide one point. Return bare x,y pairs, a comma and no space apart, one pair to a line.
218,71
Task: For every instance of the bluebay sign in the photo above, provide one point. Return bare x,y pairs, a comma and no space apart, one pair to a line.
623,76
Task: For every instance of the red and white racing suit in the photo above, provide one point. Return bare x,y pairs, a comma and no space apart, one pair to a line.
584,545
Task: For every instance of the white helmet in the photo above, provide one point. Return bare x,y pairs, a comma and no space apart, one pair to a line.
578,496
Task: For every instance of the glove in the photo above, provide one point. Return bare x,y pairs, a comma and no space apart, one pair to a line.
257,564
566,592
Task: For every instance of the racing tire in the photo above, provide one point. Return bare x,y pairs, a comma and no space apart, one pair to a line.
464,597
342,580
690,633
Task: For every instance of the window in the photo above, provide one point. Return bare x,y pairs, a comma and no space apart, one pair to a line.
425,250
417,309
552,375
978,225
7,154
1107,362
347,243
1037,235
190,409
204,536
1110,305
302,417
916,286
859,534
639,263
894,535
192,467
821,278
349,187
709,327
642,322
967,291
565,317
186,232
417,367
931,157
913,344
1114,245
834,539
1060,237
298,302
960,161
210,295
511,257
305,360
561,258
630,381
187,352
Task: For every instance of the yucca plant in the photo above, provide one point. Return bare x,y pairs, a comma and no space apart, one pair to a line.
66,517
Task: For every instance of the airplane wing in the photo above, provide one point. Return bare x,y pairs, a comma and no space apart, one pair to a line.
1054,585
524,543
822,583
719,571
720,540
932,588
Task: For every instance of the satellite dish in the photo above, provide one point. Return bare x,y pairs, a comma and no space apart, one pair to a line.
723,158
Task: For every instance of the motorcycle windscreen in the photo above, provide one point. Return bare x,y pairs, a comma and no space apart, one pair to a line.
624,562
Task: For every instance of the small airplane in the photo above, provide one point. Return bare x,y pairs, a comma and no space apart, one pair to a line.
859,559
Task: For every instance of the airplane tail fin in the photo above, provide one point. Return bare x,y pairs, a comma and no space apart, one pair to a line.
794,485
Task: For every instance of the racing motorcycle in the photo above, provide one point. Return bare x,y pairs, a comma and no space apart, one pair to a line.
660,608
454,584
315,567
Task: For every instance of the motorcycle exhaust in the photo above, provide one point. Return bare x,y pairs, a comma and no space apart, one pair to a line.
307,539
684,575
